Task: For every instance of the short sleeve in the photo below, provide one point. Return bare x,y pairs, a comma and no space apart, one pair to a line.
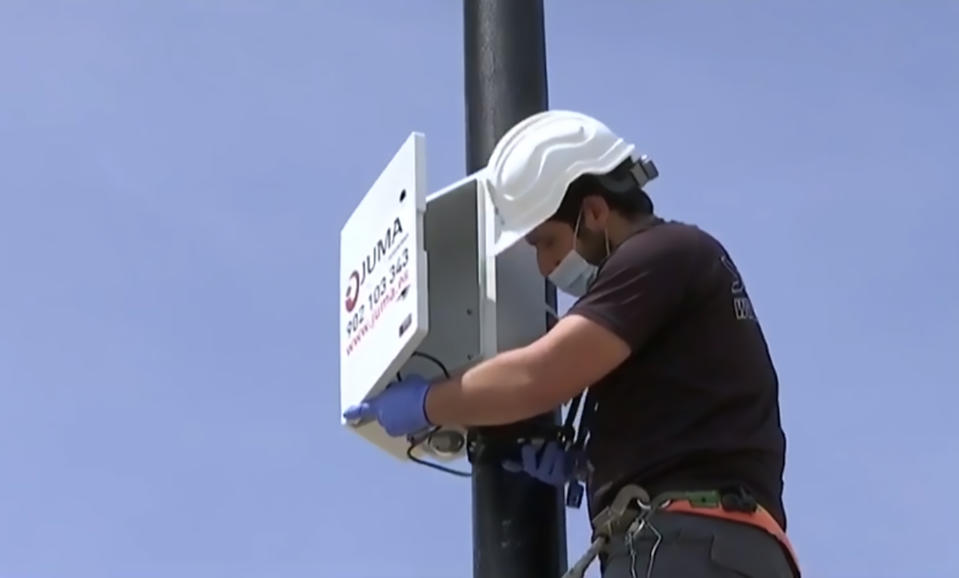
641,285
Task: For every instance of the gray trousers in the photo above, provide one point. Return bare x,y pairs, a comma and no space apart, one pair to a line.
694,546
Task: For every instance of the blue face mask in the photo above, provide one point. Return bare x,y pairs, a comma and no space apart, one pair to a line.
575,274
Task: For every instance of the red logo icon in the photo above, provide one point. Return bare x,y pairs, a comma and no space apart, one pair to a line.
352,292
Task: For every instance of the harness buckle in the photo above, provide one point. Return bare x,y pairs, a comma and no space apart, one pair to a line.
738,500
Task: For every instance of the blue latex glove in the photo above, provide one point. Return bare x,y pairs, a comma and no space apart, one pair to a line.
400,408
555,466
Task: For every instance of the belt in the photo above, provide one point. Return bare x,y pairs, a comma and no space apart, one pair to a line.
632,508
711,504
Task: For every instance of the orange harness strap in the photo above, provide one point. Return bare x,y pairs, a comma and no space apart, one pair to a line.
761,519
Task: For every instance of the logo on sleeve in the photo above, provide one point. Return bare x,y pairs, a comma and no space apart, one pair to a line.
742,306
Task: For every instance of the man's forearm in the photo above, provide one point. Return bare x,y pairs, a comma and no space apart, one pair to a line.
498,391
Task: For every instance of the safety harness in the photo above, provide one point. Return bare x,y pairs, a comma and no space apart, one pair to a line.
574,439
632,511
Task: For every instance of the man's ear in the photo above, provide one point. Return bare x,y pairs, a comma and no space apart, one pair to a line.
595,212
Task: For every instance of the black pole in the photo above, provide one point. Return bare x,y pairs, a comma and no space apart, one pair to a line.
519,526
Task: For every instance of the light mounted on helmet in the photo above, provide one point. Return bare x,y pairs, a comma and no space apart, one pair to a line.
631,178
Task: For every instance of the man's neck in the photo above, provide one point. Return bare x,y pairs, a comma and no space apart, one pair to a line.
625,228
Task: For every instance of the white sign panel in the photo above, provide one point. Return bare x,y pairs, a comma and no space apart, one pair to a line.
383,284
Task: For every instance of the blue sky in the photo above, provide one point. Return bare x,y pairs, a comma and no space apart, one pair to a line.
174,176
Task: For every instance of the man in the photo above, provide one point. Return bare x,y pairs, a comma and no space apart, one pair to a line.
682,395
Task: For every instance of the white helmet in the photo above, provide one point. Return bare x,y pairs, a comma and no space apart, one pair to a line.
534,163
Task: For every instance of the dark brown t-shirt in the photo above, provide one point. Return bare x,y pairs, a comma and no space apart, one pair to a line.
696,404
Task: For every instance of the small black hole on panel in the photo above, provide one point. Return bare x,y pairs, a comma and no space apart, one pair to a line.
402,195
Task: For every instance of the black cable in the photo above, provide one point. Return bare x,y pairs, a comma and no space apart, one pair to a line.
415,444
440,364
570,420
434,360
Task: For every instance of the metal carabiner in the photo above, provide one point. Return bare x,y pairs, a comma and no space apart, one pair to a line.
603,523
625,497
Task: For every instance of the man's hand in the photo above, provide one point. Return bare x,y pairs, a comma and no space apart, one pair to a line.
400,408
550,464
